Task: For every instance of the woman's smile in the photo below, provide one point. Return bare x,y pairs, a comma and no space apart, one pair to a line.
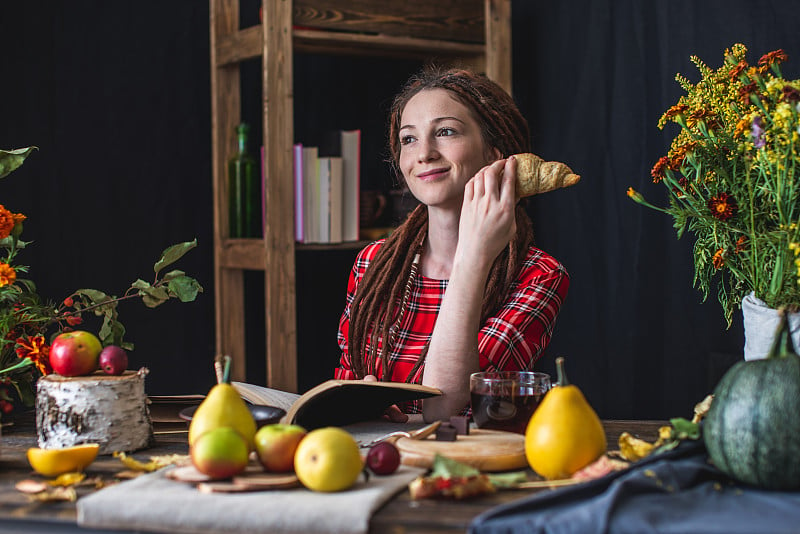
432,174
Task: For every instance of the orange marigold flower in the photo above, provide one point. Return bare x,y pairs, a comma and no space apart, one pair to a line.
674,111
776,56
722,206
738,69
698,115
7,274
6,222
719,259
37,351
657,172
745,91
740,244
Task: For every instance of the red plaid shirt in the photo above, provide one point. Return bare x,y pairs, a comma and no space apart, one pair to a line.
513,339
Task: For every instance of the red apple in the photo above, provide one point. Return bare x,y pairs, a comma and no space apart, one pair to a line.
276,445
220,453
75,353
113,360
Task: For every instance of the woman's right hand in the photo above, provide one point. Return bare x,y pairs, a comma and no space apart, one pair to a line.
488,219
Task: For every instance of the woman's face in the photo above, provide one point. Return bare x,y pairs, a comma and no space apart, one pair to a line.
441,148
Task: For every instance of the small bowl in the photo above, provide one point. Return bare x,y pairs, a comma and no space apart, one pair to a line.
264,415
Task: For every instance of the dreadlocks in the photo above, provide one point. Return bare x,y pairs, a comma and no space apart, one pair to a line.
380,300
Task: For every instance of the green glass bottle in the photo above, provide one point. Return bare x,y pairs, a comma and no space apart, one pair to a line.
244,191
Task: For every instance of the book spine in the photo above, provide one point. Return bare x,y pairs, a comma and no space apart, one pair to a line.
297,152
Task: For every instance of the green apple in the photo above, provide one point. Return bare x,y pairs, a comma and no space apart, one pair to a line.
220,453
276,445
75,353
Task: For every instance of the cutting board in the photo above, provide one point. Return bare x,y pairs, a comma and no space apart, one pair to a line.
487,450
254,478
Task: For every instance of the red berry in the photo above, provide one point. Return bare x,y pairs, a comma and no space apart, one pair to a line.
383,458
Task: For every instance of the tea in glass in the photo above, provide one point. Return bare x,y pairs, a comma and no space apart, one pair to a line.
506,400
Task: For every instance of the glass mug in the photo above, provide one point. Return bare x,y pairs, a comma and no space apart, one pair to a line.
506,400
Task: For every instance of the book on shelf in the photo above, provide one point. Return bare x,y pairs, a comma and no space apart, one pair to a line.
297,157
324,204
351,182
336,193
310,194
335,402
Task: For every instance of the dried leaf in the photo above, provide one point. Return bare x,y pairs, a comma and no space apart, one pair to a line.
155,463
67,479
56,494
136,465
632,448
31,486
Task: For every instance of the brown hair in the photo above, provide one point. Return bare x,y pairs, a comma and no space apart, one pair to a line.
392,272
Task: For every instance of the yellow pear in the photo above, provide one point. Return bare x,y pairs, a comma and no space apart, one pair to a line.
223,406
564,434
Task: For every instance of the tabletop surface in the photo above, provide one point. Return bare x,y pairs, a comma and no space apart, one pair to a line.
400,514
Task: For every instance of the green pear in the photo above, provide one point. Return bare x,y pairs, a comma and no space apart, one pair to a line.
223,407
220,453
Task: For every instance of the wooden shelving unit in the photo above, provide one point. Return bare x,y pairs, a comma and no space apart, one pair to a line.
476,33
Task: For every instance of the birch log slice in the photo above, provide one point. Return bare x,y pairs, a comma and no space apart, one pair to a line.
108,410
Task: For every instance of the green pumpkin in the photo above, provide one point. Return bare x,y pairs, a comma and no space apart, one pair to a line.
752,431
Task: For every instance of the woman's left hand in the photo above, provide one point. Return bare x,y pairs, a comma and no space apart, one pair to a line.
487,215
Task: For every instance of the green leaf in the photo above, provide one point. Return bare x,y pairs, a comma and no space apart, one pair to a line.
154,296
507,480
173,254
10,160
172,274
95,296
112,331
140,284
685,428
447,467
185,288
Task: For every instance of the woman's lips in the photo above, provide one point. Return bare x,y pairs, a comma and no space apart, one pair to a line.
432,174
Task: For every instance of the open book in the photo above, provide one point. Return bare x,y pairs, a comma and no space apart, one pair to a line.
335,402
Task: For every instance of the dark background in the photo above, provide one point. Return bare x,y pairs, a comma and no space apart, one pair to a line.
116,95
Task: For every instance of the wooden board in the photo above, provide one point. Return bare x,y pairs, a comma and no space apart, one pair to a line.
254,478
487,450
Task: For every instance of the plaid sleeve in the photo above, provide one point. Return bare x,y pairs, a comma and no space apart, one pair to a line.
514,338
344,371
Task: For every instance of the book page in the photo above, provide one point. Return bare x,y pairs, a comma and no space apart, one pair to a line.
264,396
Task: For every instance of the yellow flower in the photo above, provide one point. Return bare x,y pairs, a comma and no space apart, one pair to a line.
7,274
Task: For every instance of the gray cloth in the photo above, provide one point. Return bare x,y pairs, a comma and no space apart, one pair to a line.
155,503
679,492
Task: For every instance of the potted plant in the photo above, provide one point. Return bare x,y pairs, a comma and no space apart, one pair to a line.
730,179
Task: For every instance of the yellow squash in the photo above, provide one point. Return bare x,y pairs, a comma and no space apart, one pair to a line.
564,434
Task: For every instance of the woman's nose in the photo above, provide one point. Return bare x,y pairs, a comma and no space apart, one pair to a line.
426,150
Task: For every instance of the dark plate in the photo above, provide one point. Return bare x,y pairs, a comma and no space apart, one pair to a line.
264,415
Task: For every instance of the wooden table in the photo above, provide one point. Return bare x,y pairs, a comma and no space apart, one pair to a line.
401,514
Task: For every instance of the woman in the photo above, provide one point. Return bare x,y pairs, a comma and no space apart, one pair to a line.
458,287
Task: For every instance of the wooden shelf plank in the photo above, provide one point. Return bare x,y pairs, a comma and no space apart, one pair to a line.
247,44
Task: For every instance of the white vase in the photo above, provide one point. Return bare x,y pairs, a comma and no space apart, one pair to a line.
760,326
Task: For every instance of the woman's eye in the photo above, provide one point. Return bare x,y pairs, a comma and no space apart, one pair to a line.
406,139
444,132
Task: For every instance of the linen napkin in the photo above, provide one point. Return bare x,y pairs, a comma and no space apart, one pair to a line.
155,503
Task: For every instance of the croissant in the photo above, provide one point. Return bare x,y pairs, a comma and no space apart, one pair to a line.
535,176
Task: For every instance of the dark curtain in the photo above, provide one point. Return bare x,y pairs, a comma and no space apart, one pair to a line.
116,95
